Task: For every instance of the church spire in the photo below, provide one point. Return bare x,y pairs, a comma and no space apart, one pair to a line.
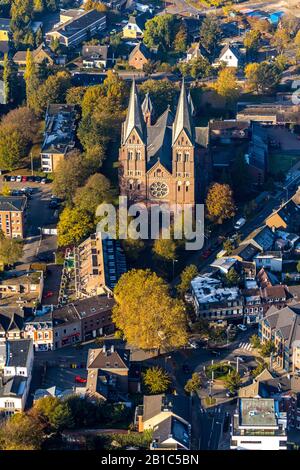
147,109
190,101
134,119
183,119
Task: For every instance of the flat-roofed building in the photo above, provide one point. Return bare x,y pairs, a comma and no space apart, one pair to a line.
258,424
78,28
59,135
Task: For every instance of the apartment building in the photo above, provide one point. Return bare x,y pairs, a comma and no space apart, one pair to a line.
258,424
16,362
13,216
99,263
59,135
213,301
283,328
78,28
22,288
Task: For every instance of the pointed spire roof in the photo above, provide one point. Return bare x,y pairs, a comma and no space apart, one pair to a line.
190,101
147,106
134,119
183,119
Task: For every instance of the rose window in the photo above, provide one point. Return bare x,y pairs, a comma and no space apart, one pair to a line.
159,189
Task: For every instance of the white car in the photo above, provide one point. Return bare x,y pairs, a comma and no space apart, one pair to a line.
18,179
240,223
242,327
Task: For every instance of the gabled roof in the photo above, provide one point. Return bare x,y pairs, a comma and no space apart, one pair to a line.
183,118
172,428
233,49
108,358
147,106
142,48
134,118
179,405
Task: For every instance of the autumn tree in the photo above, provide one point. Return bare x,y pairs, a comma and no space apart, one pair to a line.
74,225
96,190
69,175
252,42
95,5
187,275
156,380
219,203
232,278
160,31
227,85
10,250
193,384
31,79
228,246
56,413
53,90
281,39
164,249
210,33
75,95
180,41
255,341
263,77
149,317
21,432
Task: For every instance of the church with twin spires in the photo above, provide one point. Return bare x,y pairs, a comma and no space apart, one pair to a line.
166,161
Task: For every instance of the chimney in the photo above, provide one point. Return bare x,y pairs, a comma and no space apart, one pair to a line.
104,348
112,348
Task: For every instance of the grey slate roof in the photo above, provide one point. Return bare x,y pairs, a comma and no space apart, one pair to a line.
183,118
17,351
147,106
178,404
134,118
12,203
172,426
287,322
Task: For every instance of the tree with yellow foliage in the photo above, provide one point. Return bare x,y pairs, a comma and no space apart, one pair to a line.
219,203
227,85
149,317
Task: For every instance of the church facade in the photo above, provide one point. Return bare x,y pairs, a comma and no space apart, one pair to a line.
162,161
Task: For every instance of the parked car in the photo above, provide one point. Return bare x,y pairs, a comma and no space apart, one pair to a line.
19,179
37,179
24,179
6,178
80,380
206,254
43,181
242,327
231,394
12,179
239,223
53,204
30,179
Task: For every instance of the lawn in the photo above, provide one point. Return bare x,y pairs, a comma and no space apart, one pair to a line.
220,370
282,162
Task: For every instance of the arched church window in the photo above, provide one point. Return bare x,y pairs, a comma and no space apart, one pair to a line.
179,157
138,155
186,157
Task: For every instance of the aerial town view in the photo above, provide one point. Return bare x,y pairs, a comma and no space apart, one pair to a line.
149,227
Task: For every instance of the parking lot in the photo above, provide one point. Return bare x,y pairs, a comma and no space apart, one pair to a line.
39,215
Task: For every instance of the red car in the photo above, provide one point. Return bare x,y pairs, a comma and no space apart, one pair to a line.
80,380
206,254
48,294
24,179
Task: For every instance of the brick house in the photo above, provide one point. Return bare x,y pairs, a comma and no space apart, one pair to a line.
13,215
139,56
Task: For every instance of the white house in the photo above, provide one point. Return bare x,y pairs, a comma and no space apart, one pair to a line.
230,55
258,424
16,362
271,260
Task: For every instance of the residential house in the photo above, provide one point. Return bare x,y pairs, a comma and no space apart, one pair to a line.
228,131
59,135
21,288
96,316
39,55
194,52
258,424
96,56
258,154
66,327
134,29
213,301
139,56
54,392
271,260
13,216
287,217
5,30
169,417
16,362
78,29
230,55
278,113
11,323
262,238
40,330
108,369
283,327
100,262
245,252
70,14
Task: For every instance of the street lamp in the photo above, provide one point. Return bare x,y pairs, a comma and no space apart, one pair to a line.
173,263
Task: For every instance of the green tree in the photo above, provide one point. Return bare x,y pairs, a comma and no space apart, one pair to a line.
187,275
219,203
96,190
255,341
160,31
9,79
162,93
61,418
210,33
232,278
156,380
38,6
53,90
149,317
55,45
261,366
193,384
252,42
10,250
233,381
263,77
38,37
74,226
281,39
75,95
267,348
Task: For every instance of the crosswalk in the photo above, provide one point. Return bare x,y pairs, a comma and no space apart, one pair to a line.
246,346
